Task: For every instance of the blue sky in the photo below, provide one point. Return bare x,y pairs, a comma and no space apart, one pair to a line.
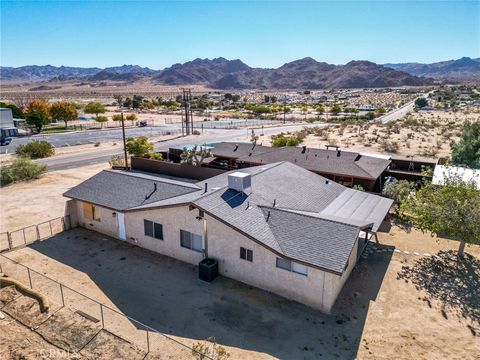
265,34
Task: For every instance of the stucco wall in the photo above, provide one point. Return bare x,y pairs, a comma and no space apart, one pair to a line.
107,224
319,289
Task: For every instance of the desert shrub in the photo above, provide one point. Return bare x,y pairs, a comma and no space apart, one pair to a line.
196,132
389,146
97,144
116,160
139,146
36,149
155,156
210,348
285,141
21,169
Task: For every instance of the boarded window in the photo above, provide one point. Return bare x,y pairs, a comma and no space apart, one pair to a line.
91,212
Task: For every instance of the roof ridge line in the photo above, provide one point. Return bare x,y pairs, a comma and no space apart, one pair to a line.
291,211
153,178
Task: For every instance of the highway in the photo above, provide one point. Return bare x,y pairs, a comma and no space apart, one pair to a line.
80,159
399,113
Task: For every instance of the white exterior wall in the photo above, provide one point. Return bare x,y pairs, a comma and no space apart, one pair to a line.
319,289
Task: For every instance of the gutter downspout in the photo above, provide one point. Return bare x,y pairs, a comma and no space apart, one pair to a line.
205,237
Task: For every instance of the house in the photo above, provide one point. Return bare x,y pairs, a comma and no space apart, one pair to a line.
277,227
344,167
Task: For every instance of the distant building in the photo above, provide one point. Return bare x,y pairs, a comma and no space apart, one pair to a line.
7,125
464,174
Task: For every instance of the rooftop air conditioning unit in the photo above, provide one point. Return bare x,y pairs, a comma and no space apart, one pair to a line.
239,181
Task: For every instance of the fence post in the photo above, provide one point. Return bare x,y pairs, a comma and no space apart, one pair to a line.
148,342
61,293
9,239
101,312
29,278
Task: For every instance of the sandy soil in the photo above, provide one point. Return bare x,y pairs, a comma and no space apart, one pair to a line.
393,305
49,188
427,134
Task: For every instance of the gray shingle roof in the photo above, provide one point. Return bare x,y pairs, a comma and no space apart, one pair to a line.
120,190
313,221
313,240
317,160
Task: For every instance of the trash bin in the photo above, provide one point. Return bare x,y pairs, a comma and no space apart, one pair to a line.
208,269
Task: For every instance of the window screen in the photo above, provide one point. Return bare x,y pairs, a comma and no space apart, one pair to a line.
284,264
148,228
197,242
158,231
185,239
299,268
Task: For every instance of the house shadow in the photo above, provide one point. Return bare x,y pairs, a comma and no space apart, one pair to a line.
453,281
167,295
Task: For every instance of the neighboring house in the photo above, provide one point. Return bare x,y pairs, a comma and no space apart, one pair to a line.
278,227
464,174
344,167
7,126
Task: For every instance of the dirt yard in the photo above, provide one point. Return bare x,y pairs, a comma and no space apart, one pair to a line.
395,305
20,205
428,134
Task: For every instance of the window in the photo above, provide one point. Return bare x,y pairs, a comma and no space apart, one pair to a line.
153,229
292,266
246,254
191,241
91,212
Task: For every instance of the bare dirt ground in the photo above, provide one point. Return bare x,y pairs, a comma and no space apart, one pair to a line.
32,202
395,305
427,134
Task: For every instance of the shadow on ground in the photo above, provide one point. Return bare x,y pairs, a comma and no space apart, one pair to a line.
455,282
166,294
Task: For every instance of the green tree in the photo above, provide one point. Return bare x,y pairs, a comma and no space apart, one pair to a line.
451,210
38,114
63,111
421,102
94,108
139,146
399,191
467,151
281,141
35,149
17,113
118,100
336,109
101,119
320,109
117,117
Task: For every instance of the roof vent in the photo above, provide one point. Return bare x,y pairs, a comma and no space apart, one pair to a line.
239,181
304,149
339,152
327,181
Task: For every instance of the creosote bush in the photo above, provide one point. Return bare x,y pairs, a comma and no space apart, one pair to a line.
21,169
35,149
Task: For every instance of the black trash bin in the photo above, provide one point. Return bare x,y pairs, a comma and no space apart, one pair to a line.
208,269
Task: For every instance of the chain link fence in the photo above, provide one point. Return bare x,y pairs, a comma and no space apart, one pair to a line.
14,239
151,341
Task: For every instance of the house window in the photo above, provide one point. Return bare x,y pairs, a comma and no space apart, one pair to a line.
91,212
153,229
246,254
191,241
292,266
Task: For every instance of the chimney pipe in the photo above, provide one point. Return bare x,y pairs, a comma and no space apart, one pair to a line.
206,187
339,152
304,149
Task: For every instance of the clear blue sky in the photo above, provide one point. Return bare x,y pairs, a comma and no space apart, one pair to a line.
264,34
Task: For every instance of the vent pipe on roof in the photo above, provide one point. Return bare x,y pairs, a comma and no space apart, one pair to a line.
274,202
327,182
339,152
304,149
206,187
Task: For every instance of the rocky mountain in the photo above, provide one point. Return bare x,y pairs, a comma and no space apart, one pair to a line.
47,72
461,69
221,73
199,71
308,73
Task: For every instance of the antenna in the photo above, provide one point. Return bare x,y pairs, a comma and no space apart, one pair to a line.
187,113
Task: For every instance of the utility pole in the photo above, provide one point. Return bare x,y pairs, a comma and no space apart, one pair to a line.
187,121
284,107
124,144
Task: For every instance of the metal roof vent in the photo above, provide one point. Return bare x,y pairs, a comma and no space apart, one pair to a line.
239,181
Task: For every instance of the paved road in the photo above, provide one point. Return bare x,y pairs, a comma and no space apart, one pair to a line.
210,136
399,113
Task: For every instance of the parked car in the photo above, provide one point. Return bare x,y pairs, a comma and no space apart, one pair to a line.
5,140
142,123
